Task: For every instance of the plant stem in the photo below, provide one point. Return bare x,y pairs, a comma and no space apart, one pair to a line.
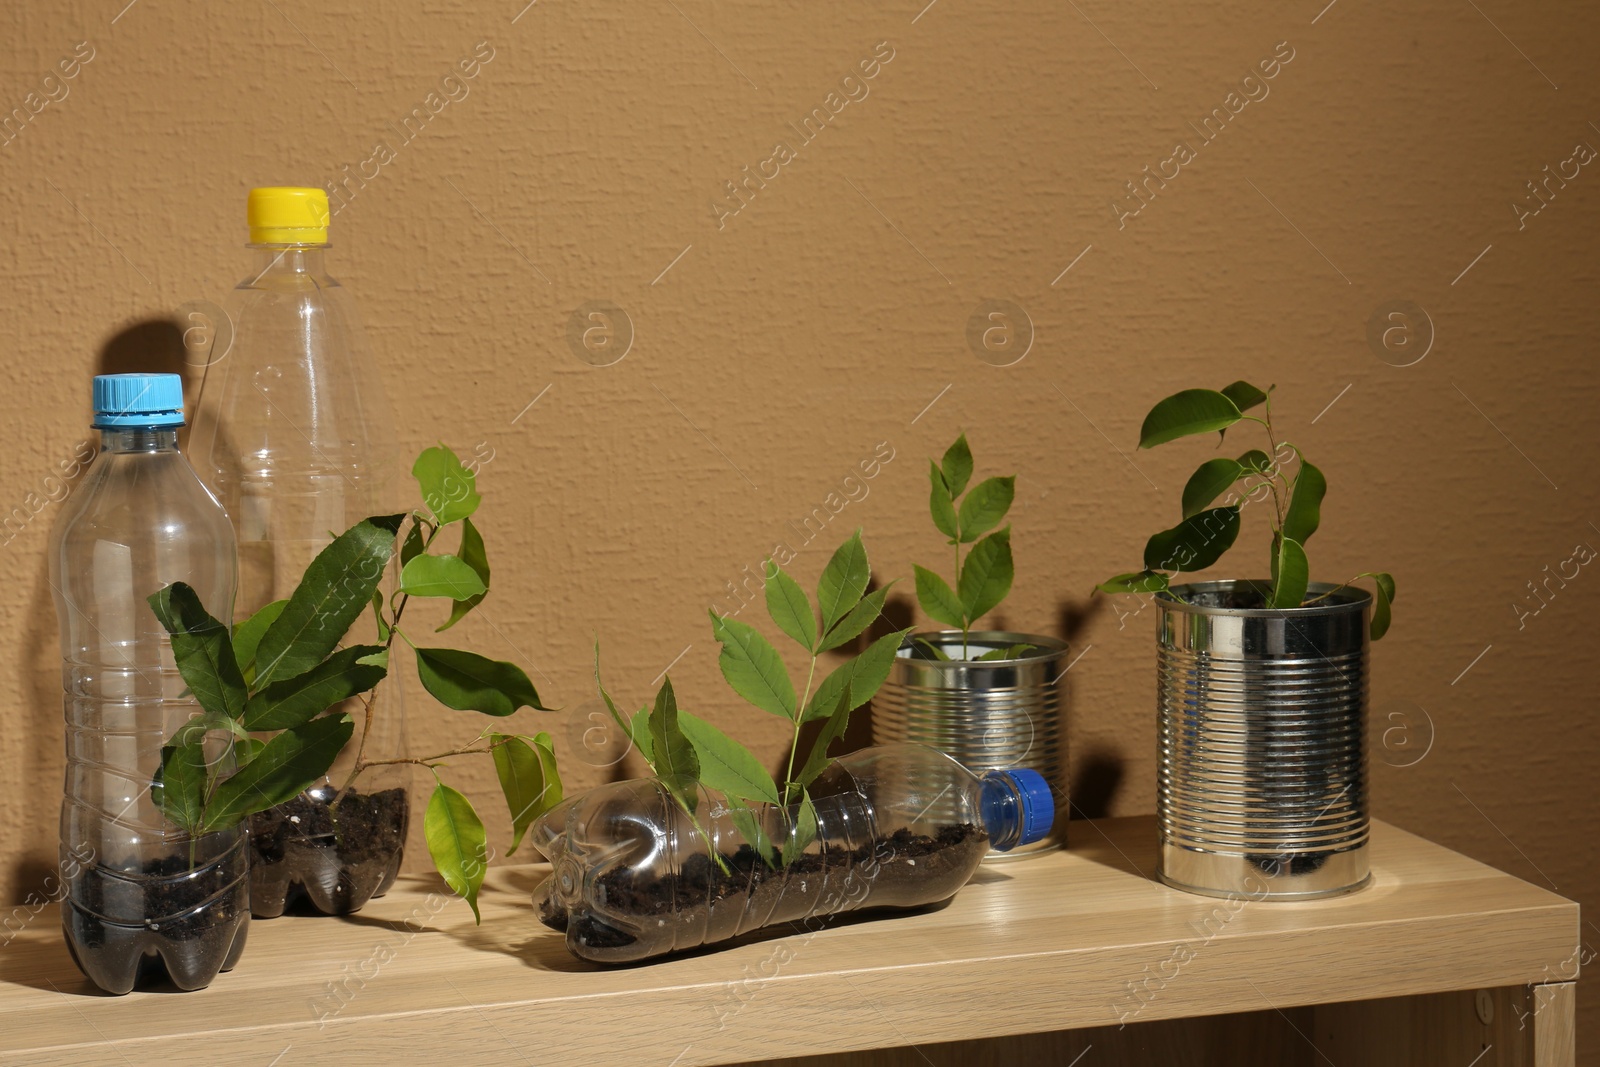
371,698
794,742
1272,458
429,761
716,854
966,623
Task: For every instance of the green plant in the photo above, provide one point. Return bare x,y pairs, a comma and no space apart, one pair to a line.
278,683
984,577
685,751
1207,532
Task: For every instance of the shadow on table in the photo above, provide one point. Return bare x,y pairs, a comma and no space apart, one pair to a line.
1131,855
37,958
546,949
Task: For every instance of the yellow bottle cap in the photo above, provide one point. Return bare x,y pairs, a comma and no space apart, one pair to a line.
286,215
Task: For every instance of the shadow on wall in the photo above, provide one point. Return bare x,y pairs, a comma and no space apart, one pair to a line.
153,346
1096,774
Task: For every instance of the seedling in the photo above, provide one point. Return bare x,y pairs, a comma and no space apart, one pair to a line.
1207,532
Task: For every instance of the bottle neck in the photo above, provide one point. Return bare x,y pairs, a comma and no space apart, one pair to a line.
139,439
1001,810
290,259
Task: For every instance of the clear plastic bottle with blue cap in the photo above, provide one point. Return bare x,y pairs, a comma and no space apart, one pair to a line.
295,435
145,901
635,875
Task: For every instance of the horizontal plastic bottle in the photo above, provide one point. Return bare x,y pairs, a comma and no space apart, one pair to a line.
897,826
144,899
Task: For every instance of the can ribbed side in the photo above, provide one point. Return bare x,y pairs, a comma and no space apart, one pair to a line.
1262,755
1261,751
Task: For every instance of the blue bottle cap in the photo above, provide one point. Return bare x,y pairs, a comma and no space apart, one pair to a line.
1038,804
123,400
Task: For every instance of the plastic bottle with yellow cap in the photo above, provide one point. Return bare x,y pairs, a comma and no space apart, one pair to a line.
295,436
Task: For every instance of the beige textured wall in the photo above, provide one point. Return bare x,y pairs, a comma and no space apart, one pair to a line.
776,348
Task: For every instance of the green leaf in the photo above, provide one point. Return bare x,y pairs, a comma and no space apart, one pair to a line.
725,764
377,615
843,581
441,576
611,705
245,750
467,681
180,787
457,843
1207,483
986,574
1304,514
675,762
414,545
861,675
789,608
1244,395
802,833
300,699
522,779
933,650
473,555
1134,582
202,648
1195,543
985,506
1189,412
861,616
1290,574
940,504
748,822
336,588
956,467
544,747
1009,652
247,635
937,598
1381,604
752,666
449,489
1257,461
286,766
818,761
639,730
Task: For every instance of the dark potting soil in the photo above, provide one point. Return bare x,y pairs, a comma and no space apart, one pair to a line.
166,923
902,870
303,853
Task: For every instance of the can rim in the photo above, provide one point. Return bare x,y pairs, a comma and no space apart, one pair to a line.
1342,600
1043,647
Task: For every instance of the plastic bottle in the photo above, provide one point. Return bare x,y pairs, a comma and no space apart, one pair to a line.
295,436
143,899
897,826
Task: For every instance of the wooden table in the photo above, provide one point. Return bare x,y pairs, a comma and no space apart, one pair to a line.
1036,961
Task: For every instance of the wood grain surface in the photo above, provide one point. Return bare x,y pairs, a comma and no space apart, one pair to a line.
1067,940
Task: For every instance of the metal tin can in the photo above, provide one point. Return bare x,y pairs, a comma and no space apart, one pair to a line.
985,714
1261,754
